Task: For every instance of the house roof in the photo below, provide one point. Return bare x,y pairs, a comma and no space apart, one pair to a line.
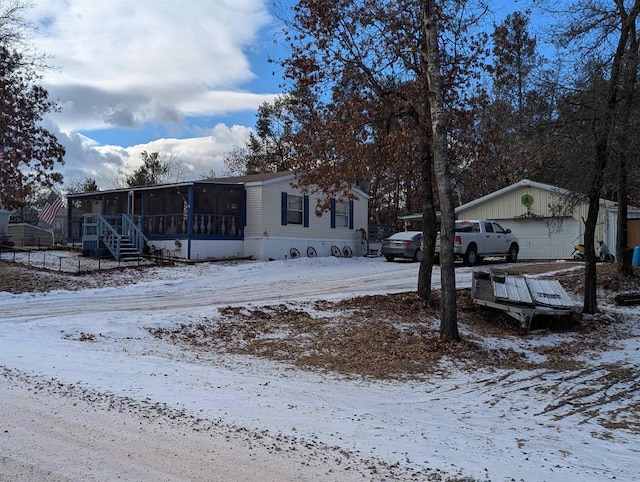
248,180
257,178
237,180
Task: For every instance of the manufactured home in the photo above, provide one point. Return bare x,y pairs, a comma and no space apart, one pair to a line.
259,216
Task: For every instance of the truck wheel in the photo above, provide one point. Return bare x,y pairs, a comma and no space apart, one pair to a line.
512,256
471,256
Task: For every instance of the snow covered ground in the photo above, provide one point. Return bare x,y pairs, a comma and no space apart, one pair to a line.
487,425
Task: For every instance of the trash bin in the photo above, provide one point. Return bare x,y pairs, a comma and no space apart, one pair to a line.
635,261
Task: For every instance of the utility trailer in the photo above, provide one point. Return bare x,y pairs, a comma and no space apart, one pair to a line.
521,297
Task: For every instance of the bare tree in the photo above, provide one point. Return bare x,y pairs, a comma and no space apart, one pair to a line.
88,184
156,168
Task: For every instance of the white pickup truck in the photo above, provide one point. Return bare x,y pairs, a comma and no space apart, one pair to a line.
476,239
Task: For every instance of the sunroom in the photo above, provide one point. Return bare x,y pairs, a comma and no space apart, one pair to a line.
178,219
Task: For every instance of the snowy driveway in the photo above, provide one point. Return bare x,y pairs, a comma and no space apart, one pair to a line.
488,425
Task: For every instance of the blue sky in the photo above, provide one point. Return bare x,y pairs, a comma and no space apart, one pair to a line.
184,78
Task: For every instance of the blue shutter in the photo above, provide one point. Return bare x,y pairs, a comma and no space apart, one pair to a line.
351,214
283,219
333,213
305,211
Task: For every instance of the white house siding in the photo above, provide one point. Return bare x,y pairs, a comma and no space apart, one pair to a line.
221,249
255,224
267,238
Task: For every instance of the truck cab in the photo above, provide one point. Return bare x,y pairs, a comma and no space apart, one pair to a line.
476,239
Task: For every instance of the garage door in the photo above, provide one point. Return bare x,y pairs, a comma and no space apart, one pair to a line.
544,238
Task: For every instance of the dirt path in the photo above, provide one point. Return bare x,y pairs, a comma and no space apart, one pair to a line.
47,437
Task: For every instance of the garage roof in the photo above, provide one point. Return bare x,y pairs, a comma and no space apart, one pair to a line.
508,189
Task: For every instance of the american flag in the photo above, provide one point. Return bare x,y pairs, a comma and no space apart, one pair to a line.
50,210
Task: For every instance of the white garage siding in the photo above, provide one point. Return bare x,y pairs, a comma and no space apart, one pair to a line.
544,238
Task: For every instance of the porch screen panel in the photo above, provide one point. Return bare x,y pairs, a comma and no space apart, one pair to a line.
163,213
217,211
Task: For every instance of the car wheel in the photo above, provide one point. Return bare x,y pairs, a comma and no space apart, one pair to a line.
417,256
471,256
512,257
389,258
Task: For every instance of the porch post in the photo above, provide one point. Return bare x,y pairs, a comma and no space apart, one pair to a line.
190,220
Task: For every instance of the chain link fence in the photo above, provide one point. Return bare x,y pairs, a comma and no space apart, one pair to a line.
71,261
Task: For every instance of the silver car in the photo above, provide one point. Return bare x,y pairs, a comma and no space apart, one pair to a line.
405,244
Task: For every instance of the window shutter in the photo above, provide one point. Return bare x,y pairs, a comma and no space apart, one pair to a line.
305,212
351,214
333,213
283,217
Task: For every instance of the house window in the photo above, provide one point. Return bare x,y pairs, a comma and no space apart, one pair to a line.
294,209
341,214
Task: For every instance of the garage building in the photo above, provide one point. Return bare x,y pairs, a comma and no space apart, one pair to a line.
538,216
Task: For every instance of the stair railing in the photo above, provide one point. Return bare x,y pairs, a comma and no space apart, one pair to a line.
133,232
108,235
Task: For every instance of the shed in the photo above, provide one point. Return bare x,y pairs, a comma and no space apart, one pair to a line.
535,213
26,235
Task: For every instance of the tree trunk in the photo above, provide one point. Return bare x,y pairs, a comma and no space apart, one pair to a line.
590,304
439,149
430,228
622,229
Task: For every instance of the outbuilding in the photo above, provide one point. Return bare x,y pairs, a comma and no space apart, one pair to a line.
539,216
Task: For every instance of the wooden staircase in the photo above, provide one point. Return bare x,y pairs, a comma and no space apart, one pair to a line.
123,239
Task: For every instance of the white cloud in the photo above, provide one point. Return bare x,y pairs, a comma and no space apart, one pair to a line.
107,164
122,62
131,66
